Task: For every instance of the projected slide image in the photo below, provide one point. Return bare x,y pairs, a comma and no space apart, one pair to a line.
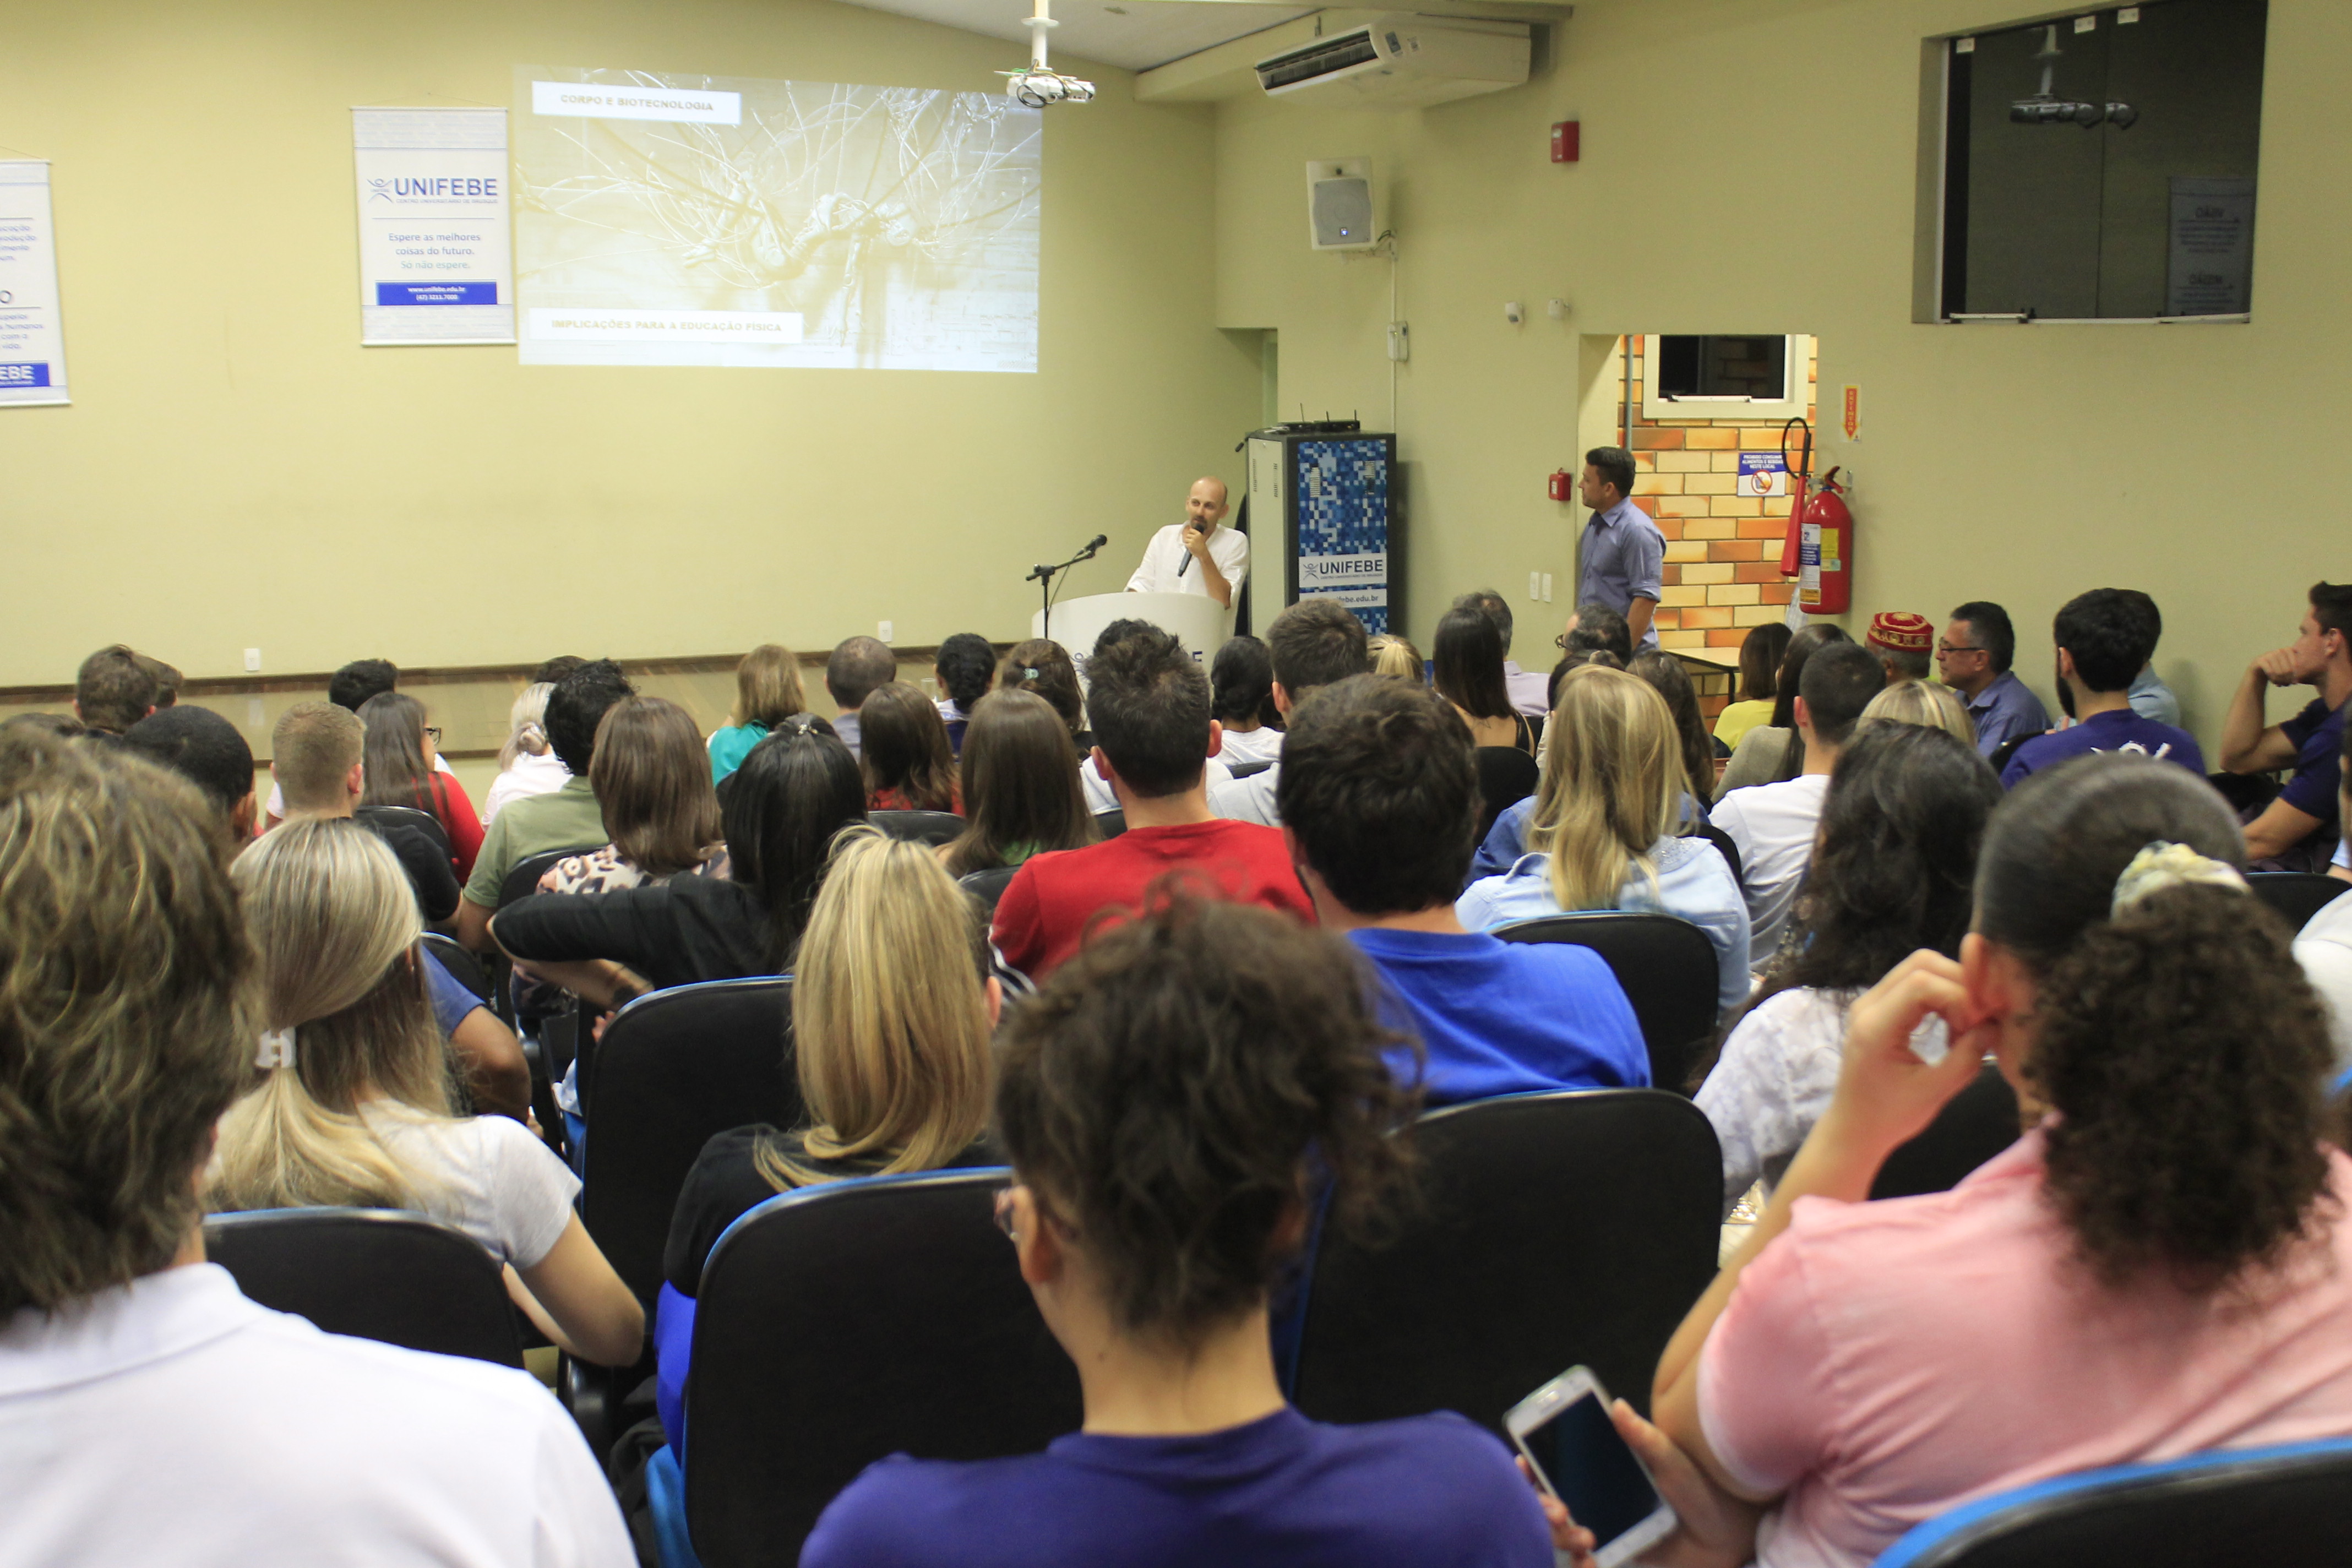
729,221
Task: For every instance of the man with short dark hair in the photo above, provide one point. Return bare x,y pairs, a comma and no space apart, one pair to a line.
1973,657
1773,824
2295,829
1620,559
2103,640
206,749
113,690
1150,704
1529,692
859,667
1313,643
565,818
1100,797
1594,627
1379,802
149,1412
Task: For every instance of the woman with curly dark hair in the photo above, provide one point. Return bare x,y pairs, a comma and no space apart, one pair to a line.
2163,1265
965,668
1172,1103
1892,874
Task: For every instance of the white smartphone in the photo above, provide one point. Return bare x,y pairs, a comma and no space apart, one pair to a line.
1564,1430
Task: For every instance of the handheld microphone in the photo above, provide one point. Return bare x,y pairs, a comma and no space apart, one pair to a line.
1186,564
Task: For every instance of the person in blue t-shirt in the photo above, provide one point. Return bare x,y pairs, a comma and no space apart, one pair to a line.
2295,829
2104,639
1175,1104
1380,804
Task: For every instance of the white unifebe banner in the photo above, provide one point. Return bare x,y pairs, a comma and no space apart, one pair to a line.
436,244
32,342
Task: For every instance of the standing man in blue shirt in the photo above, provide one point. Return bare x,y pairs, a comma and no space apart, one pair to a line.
2296,830
1621,557
1973,657
2103,637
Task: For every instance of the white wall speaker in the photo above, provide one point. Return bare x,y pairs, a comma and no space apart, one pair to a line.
1339,204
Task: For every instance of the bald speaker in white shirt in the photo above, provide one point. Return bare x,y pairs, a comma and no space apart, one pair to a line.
1198,555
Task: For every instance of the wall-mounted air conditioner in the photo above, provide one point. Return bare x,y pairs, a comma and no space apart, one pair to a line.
1400,61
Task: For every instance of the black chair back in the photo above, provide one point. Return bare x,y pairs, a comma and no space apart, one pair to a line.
462,967
375,1274
2296,895
843,1324
1723,846
1506,776
1976,1124
523,882
382,816
921,826
2283,1506
1667,967
674,1068
1110,824
987,886
1559,1228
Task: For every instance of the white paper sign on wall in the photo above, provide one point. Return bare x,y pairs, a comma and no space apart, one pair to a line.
32,341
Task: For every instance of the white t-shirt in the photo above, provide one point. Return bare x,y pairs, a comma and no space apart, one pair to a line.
1263,744
2323,948
541,774
1166,552
1772,827
487,1176
277,806
1777,1074
174,1424
1251,799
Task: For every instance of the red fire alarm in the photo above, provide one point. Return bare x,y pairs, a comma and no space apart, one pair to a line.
1565,136
1562,486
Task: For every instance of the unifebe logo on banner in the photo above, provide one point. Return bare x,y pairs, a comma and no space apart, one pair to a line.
434,190
435,254
1360,581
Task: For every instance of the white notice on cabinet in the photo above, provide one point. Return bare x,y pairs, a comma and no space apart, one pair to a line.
2212,265
32,343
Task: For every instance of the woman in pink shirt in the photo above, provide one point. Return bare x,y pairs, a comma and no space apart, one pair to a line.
2163,1266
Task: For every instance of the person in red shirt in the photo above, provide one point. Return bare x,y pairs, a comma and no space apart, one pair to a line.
1153,738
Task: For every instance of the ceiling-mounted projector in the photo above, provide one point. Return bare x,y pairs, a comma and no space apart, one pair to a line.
1040,84
1400,61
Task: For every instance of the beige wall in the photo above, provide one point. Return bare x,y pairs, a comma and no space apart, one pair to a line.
236,472
1749,165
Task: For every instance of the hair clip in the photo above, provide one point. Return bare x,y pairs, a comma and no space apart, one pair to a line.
1027,674
276,1049
2163,864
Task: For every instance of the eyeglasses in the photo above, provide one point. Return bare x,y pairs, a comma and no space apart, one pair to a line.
432,734
1945,650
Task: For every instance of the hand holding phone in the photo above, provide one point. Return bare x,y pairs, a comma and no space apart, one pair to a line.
1565,1432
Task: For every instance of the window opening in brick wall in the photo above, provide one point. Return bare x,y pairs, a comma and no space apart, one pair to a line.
2102,166
1750,368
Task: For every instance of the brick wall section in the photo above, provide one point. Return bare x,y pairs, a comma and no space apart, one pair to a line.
1723,550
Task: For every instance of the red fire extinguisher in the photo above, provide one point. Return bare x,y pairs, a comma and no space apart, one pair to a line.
1819,549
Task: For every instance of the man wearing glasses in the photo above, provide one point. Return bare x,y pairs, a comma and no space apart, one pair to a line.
1972,658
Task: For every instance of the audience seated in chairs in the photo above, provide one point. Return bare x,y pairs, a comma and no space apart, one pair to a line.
1152,736
1241,686
767,692
1773,824
1378,802
1924,703
908,765
2104,639
1602,833
206,749
276,1431
1397,658
564,818
1043,668
1761,652
315,763
892,1006
1022,795
353,1104
1531,694
1467,669
400,754
527,765
1773,751
1665,672
1893,874
1174,1105
964,668
2296,828
2164,1265
794,794
351,687
1973,657
1312,644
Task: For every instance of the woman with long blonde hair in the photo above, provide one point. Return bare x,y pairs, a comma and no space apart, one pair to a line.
1602,836
892,1010
353,1103
767,692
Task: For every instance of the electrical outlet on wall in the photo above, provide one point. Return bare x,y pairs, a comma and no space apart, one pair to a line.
882,630
1546,587
1535,586
253,661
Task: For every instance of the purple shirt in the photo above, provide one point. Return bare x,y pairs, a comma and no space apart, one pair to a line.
2004,710
1622,558
1430,1491
2120,731
2318,735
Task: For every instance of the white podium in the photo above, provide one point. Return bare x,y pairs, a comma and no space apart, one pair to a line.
1194,619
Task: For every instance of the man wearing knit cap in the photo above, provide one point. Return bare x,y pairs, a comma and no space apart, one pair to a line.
1901,641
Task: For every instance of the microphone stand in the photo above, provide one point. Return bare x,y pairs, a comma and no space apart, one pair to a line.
1044,577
